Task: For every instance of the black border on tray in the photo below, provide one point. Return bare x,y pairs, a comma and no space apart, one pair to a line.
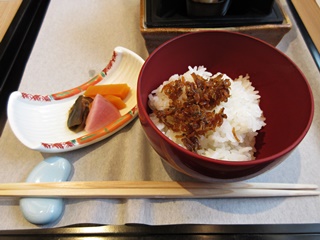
16,47
180,231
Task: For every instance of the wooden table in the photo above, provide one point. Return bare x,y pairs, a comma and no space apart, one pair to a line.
8,9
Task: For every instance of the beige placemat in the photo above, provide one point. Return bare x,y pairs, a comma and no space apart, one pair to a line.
8,9
309,12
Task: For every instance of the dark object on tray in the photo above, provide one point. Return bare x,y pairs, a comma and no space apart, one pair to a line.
161,20
178,13
257,7
207,8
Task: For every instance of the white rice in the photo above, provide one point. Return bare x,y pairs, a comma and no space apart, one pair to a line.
243,115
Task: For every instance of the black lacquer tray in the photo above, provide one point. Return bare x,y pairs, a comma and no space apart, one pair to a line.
165,232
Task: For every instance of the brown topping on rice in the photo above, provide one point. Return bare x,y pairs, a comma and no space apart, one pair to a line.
235,134
191,111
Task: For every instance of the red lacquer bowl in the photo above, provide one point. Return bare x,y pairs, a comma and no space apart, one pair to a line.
286,99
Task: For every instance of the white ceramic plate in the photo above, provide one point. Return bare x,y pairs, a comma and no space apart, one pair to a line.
40,122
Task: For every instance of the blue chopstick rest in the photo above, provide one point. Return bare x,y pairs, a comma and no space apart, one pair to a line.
46,210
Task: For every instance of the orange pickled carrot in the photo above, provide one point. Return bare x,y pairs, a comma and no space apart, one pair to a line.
116,101
120,90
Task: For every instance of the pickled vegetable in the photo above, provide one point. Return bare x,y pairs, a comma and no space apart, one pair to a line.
102,113
116,101
120,90
78,114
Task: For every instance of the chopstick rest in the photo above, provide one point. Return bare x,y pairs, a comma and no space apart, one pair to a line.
46,210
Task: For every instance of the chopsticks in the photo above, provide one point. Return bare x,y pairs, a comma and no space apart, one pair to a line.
155,189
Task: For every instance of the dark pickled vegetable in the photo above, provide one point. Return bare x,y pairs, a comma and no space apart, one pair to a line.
78,114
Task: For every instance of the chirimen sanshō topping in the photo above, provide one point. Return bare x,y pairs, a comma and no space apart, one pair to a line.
190,111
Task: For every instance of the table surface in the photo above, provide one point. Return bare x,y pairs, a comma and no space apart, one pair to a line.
8,9
309,12
77,39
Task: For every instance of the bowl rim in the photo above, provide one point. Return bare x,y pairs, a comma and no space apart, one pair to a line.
219,161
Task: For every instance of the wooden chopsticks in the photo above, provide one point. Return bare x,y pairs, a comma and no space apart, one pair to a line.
155,189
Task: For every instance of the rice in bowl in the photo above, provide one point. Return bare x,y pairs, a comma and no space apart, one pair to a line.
239,116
